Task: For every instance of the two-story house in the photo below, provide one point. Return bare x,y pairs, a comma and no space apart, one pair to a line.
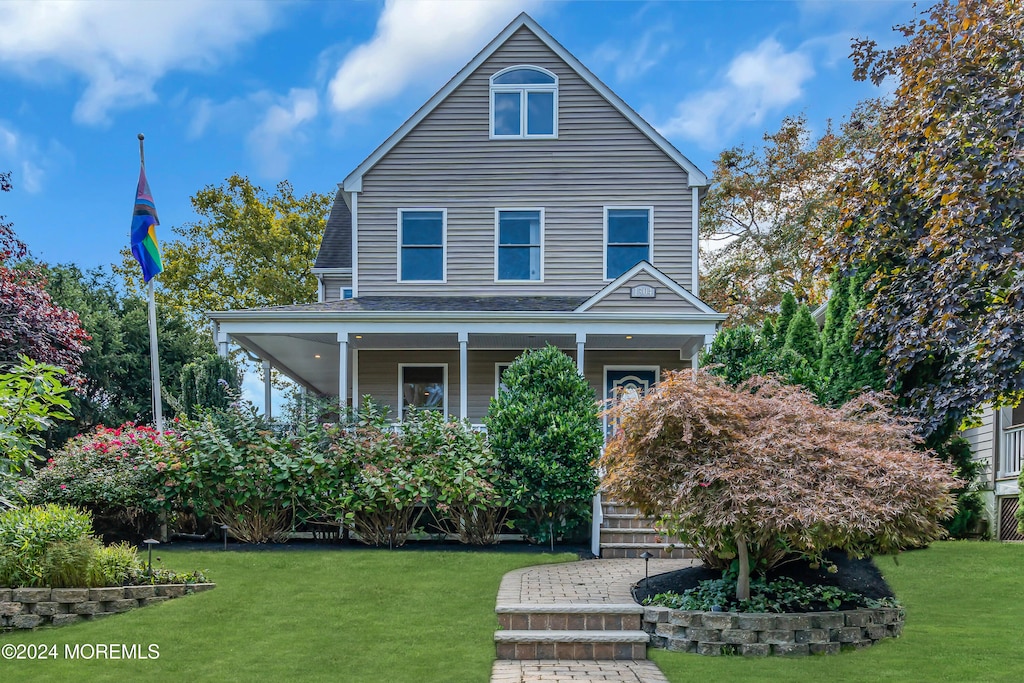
524,204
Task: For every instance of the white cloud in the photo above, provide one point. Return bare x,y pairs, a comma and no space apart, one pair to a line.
121,49
22,155
279,131
417,39
756,82
632,61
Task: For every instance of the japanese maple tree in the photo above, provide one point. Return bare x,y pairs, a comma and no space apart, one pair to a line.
761,472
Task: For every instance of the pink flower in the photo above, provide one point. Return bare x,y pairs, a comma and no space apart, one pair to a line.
704,484
62,487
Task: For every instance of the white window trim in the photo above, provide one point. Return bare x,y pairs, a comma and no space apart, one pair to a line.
604,236
497,237
444,245
523,89
619,368
497,374
401,395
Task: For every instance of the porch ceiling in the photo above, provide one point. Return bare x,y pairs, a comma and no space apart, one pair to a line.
312,359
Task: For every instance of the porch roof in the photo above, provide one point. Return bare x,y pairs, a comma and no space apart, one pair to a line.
439,304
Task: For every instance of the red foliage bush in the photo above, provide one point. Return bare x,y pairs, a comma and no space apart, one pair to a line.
764,469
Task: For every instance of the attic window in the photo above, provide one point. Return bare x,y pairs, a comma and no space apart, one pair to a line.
524,103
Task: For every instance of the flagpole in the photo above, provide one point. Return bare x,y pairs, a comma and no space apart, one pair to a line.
154,357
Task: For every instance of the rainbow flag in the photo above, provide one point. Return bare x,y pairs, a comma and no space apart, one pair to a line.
144,222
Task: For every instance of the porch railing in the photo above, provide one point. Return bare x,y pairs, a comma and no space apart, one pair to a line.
1013,449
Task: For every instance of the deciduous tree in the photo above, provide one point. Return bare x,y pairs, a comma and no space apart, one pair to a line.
763,471
248,249
31,324
935,210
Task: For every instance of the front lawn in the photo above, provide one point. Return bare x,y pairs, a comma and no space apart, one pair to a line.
965,622
303,615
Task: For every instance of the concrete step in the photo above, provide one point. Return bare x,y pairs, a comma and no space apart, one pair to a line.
571,617
567,644
634,550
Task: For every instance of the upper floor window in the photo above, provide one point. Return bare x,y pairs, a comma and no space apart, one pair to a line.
421,245
519,244
524,103
627,238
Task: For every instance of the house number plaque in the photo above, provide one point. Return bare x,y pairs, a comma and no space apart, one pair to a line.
642,292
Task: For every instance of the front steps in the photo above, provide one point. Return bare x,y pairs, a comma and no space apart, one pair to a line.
625,533
571,631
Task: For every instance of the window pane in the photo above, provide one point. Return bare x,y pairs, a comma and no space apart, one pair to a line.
519,227
507,113
517,76
621,259
628,226
422,227
422,263
540,113
519,263
422,388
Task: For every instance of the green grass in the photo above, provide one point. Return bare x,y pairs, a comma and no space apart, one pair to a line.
296,615
965,622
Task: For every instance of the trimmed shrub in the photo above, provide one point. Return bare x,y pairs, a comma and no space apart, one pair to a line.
546,431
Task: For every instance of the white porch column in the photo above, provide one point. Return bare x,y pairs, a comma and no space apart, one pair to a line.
464,375
266,390
355,379
581,341
343,370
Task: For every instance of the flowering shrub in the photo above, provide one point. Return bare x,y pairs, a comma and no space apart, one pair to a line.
232,467
462,473
105,471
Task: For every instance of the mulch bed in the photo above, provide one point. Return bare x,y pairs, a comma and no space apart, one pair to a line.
857,576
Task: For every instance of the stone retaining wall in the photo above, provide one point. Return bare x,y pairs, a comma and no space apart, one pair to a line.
32,607
718,633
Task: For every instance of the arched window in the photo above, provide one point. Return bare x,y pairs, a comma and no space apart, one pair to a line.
524,103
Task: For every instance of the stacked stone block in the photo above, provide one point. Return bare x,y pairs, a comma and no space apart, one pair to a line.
27,608
761,635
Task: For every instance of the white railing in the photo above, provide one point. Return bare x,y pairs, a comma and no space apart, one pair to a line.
1013,449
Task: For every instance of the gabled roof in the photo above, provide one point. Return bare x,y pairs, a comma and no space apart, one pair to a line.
336,245
354,181
646,267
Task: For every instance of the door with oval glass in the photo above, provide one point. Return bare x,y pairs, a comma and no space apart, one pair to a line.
629,382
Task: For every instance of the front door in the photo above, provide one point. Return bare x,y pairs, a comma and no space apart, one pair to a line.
628,382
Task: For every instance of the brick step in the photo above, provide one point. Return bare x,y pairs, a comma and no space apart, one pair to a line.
634,550
637,536
571,617
522,645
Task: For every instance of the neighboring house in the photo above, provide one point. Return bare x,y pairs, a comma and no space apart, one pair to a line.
524,204
998,441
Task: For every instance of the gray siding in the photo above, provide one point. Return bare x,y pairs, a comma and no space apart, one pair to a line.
981,440
664,301
333,284
378,372
448,161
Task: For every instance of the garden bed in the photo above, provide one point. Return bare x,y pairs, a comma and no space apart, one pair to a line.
819,629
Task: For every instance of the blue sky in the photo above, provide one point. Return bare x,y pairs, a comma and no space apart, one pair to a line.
304,91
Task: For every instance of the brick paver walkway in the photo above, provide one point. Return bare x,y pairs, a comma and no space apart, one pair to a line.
585,582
